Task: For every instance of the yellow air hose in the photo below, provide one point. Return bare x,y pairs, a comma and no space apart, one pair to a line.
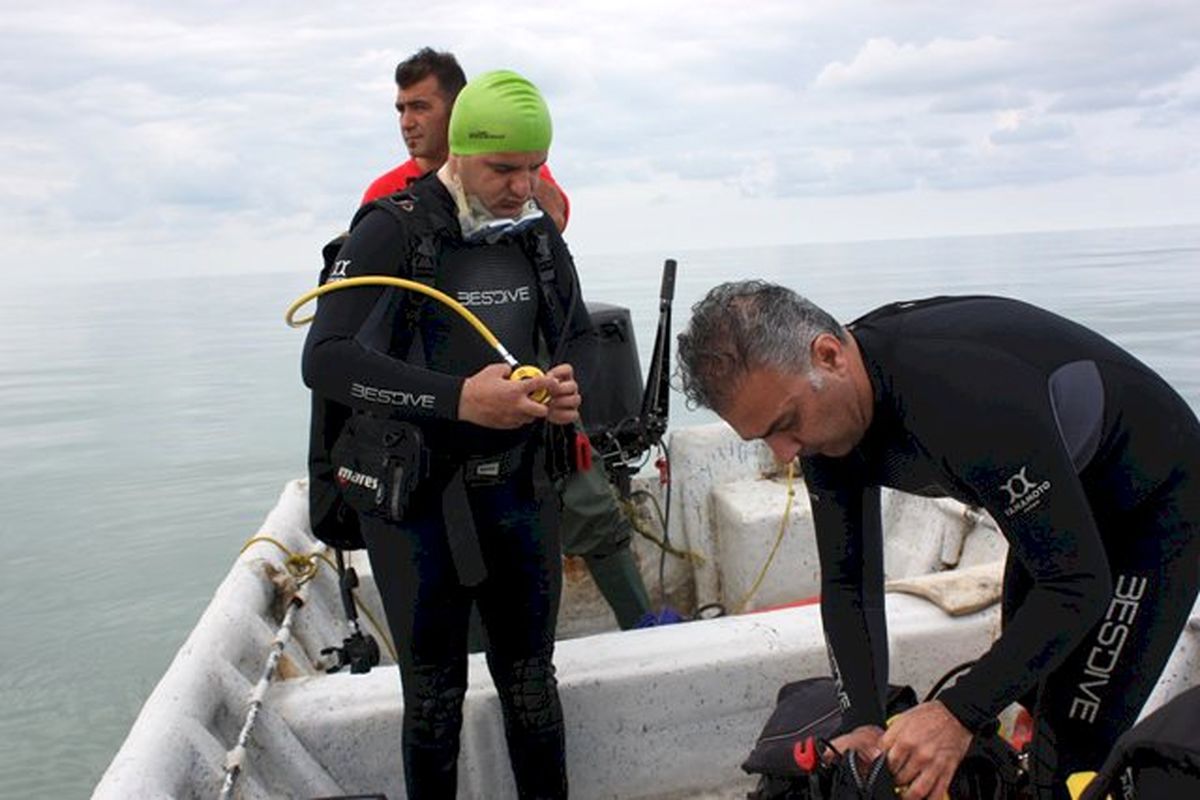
787,513
520,372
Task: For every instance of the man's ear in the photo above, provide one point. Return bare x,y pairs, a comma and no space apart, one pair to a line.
827,353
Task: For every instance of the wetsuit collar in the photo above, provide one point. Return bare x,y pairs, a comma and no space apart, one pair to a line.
865,377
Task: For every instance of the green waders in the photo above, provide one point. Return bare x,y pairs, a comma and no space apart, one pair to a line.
594,526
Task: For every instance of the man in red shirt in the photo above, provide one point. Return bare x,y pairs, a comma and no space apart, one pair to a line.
593,525
426,85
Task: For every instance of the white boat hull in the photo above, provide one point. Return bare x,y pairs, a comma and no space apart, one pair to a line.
666,712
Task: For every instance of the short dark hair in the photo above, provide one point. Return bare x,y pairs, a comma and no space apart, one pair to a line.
744,325
427,61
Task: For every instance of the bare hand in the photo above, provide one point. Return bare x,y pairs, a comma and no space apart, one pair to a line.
863,740
490,399
563,407
924,747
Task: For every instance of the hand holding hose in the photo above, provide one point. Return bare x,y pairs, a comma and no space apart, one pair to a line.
490,397
491,400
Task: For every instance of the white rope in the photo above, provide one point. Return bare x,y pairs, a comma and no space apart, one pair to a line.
236,757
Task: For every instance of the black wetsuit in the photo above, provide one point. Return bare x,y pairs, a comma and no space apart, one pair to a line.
357,354
1088,461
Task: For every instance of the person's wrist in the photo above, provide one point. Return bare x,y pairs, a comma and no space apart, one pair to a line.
464,400
962,714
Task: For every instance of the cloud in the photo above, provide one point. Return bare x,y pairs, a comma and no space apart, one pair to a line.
885,66
1111,46
1091,56
985,99
1107,98
1180,106
1183,111
1024,130
132,118
1036,163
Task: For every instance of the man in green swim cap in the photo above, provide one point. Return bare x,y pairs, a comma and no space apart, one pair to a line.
473,531
594,527
502,111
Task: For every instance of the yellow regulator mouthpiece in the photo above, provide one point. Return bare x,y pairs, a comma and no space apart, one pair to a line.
519,372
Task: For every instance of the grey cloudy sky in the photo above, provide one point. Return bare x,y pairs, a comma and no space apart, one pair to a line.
226,136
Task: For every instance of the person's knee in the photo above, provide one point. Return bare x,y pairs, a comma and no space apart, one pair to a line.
597,533
528,690
616,541
434,698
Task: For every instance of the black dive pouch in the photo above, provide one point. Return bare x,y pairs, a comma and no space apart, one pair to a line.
378,464
787,756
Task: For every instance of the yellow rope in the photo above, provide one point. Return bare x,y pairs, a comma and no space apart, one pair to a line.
635,520
762,573
304,568
301,567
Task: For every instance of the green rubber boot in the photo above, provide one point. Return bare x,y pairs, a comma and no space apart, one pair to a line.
618,578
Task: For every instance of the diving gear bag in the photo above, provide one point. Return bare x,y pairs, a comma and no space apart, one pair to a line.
378,464
807,714
806,711
333,521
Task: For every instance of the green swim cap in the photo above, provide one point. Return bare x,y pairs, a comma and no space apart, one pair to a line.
499,112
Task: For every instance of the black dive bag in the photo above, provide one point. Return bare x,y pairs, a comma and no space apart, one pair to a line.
786,756
377,465
1158,757
333,521
788,753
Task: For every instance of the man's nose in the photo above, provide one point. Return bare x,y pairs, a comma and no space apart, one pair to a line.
523,183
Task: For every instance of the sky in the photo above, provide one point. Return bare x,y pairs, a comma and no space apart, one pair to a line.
142,138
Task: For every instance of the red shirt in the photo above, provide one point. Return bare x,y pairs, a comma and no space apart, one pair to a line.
397,179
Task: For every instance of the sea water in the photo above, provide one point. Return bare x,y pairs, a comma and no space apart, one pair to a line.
147,427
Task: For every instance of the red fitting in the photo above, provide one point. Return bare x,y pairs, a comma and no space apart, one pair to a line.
583,452
805,754
1022,733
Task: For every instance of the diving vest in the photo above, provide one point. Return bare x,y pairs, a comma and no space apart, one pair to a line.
428,228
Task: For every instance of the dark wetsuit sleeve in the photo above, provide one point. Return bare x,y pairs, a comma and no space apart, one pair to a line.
850,548
1022,472
346,353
